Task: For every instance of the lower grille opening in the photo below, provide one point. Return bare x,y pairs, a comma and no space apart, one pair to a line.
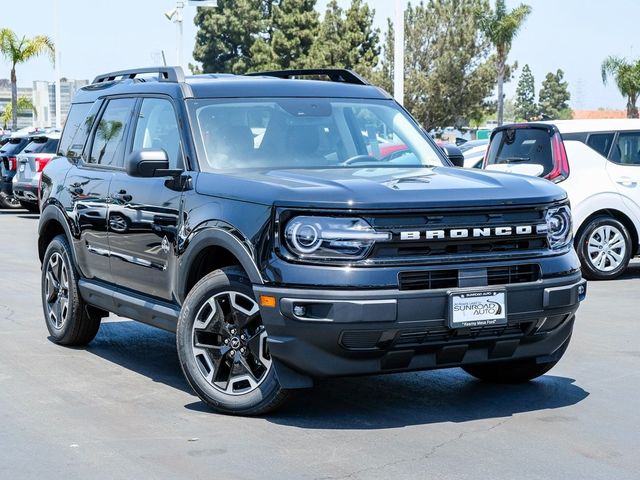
513,274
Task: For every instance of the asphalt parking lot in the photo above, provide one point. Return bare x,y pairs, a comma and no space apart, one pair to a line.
121,409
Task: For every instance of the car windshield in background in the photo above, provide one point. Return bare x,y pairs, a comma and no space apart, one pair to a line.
522,145
42,145
307,133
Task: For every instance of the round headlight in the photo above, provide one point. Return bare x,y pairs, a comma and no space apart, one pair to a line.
304,237
559,226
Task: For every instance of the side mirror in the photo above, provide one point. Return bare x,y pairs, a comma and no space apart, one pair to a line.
150,162
454,154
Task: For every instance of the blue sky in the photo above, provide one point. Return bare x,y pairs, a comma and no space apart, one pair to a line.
99,36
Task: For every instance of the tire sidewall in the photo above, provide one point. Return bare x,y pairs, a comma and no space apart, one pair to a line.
582,248
221,280
61,335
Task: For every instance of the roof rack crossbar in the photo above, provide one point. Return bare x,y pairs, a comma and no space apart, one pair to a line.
334,74
165,74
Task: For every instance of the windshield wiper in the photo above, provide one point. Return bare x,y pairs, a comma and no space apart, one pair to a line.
515,160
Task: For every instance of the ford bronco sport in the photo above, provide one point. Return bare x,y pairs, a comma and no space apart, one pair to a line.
256,217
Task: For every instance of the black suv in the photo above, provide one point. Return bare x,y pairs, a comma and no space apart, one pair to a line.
290,229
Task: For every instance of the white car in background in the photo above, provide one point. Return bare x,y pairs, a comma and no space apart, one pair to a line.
598,163
473,152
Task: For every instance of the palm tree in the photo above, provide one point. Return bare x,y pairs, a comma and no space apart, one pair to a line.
627,77
19,50
24,103
501,27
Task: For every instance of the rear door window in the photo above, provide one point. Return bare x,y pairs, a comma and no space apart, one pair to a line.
601,142
626,150
522,145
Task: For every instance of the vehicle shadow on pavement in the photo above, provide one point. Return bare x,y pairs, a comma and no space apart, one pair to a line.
142,349
383,401
399,400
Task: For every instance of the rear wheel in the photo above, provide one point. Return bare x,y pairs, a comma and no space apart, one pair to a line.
8,201
31,207
518,371
69,319
222,346
604,248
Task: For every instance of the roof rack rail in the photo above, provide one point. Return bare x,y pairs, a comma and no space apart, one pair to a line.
334,74
165,74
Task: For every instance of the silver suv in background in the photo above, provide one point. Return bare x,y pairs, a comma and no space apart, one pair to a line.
30,163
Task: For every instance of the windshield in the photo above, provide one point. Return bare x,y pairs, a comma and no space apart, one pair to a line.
307,133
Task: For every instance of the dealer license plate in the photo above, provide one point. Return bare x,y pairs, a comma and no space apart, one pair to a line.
477,308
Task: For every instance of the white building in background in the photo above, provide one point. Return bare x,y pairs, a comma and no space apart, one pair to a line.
25,118
44,100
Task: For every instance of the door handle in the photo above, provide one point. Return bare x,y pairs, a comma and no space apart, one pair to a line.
626,182
122,195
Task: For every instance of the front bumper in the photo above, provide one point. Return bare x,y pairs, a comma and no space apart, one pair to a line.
355,332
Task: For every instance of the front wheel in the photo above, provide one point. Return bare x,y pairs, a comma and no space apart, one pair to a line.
604,248
222,346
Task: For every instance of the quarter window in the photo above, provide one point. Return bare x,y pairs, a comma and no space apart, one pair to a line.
626,149
157,128
601,142
110,134
76,130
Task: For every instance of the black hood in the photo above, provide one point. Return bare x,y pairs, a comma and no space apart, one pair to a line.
378,188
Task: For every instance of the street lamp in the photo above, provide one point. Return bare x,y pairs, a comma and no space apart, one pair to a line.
175,15
398,53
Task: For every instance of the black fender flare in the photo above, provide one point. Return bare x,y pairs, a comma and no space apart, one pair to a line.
215,237
51,212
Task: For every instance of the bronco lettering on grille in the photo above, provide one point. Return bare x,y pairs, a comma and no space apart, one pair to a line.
503,231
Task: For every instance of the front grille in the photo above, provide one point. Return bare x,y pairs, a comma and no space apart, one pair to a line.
449,278
448,249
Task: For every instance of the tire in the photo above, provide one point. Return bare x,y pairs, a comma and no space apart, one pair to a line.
31,207
8,201
604,248
69,319
220,316
520,371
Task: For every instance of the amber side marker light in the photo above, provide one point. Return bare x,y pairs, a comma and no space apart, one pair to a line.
267,301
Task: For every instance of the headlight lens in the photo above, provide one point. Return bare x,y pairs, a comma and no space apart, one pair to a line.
331,238
559,227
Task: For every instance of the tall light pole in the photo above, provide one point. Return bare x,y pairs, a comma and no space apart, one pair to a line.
398,53
56,63
177,16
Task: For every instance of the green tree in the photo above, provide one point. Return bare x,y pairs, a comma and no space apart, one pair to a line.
525,101
346,39
554,96
24,104
449,69
501,27
289,32
627,78
227,33
19,50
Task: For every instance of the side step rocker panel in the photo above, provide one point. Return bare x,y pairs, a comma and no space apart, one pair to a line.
125,304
